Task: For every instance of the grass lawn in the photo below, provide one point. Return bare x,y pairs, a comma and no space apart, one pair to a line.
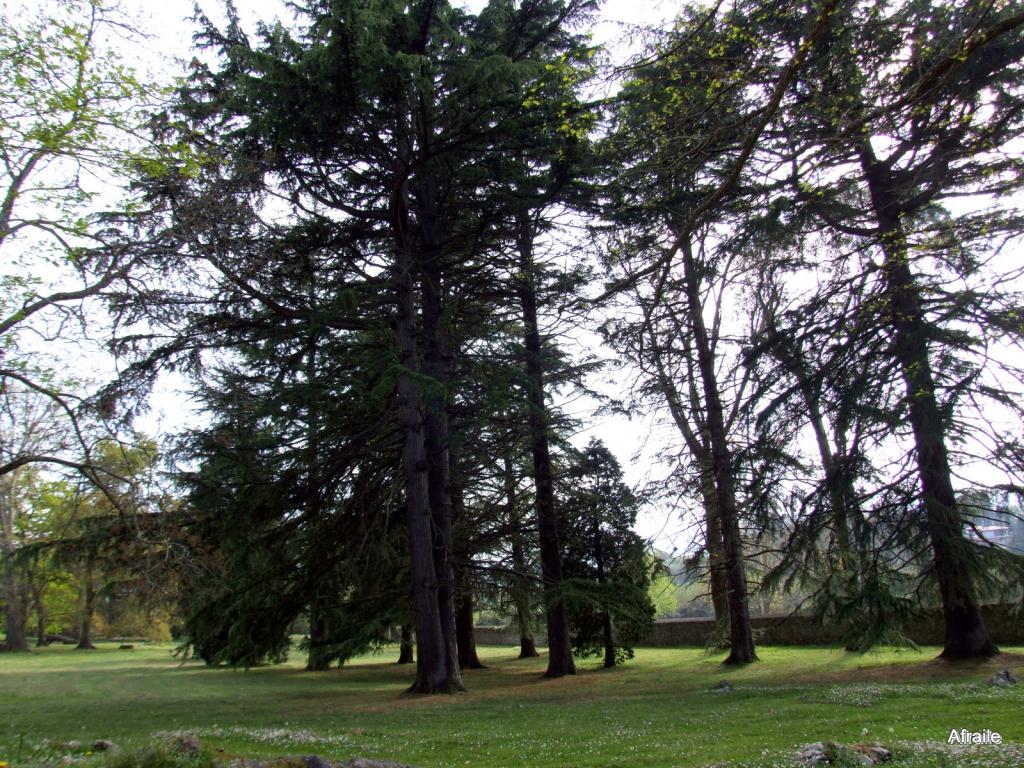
658,710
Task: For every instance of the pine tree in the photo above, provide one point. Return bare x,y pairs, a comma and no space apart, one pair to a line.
908,119
607,573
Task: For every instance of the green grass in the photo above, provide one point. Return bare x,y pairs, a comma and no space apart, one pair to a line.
656,711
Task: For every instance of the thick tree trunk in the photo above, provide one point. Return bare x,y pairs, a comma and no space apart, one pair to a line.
560,661
432,666
608,638
741,638
437,347
713,540
88,608
15,624
468,658
965,633
15,610
406,654
464,635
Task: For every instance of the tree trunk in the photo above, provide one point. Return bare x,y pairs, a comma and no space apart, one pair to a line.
406,654
713,540
39,595
88,608
437,348
317,660
606,620
741,638
847,556
15,610
521,598
608,637
520,582
965,633
15,625
468,658
695,436
560,661
432,668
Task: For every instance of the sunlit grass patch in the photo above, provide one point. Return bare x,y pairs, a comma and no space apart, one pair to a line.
660,710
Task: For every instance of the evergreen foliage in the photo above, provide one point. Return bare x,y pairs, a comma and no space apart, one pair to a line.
360,235
607,569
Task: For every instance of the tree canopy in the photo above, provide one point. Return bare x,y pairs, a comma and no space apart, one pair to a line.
371,239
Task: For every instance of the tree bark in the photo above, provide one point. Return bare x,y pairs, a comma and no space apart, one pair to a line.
432,667
317,660
607,637
520,582
39,597
521,598
560,661
464,634
713,539
695,436
15,624
88,607
468,658
406,655
435,424
15,610
741,638
966,635
437,348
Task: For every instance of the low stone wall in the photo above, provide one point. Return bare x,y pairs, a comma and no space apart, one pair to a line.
504,636
1005,628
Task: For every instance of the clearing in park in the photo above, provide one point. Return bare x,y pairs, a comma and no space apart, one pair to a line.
666,708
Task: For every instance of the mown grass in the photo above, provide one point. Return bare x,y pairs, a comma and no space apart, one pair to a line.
659,710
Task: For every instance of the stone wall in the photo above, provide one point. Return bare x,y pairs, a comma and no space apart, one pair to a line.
504,636
1005,628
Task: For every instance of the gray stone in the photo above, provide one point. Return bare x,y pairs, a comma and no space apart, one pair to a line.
879,754
825,753
813,754
187,743
103,745
722,686
1004,677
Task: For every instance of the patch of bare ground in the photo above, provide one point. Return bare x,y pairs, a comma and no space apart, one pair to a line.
926,669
